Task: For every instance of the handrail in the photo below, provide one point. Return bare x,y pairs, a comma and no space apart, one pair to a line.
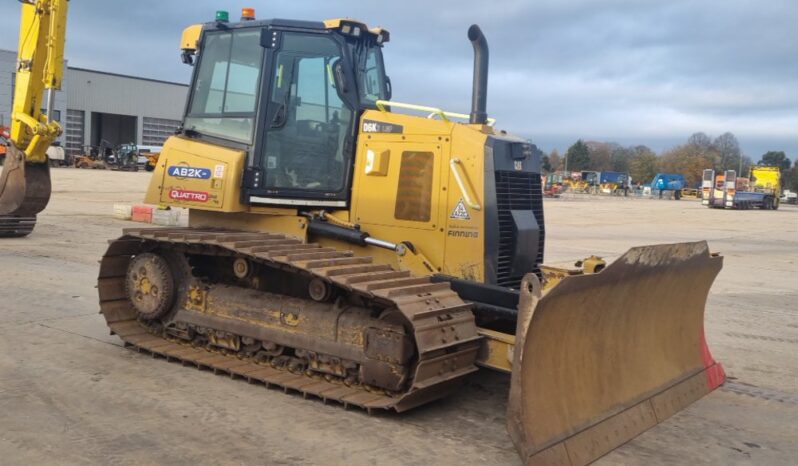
421,108
491,121
461,184
433,111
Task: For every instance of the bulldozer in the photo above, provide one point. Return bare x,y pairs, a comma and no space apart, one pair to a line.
378,254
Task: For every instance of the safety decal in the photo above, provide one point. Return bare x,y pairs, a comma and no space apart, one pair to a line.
460,212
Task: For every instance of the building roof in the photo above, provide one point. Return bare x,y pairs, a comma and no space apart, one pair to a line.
119,75
108,73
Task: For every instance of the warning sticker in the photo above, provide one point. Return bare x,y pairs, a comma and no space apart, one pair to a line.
218,171
460,212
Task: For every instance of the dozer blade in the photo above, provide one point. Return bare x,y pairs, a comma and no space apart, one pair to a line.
24,192
601,358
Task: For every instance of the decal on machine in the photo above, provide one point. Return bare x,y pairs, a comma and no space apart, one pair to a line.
189,196
371,126
183,171
463,234
218,171
460,212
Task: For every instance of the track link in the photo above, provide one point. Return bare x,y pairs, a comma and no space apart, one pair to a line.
16,227
443,325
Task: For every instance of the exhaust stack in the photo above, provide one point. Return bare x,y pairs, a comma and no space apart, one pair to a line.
479,93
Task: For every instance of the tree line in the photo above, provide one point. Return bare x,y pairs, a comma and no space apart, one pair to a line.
699,152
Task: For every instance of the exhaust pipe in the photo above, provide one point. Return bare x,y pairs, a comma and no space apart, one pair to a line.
479,93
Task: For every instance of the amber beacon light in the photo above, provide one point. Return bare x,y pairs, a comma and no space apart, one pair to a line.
247,14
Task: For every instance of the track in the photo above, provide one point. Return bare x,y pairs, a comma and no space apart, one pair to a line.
444,332
15,227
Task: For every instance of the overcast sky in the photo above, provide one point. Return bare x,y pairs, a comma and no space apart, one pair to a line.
630,71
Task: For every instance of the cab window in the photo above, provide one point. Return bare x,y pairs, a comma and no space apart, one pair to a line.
371,76
224,96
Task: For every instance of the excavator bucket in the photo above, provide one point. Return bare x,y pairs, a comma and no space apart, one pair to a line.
600,358
24,192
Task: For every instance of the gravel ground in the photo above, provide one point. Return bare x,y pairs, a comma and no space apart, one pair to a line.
70,394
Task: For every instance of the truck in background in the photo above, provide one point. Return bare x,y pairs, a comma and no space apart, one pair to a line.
723,191
789,197
664,182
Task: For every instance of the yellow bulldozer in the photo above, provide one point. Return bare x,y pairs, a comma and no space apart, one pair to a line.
375,253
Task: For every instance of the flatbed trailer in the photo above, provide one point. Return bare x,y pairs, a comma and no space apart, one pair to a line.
721,192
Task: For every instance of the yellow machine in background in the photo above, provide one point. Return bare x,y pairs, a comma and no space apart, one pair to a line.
25,181
152,160
766,180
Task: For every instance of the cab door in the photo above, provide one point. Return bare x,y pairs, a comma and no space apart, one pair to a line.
305,148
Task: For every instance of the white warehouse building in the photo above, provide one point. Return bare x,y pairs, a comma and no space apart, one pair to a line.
95,106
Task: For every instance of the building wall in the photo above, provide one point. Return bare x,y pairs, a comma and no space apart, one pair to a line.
7,63
147,100
156,106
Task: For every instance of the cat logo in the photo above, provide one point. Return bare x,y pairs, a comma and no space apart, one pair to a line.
519,165
460,212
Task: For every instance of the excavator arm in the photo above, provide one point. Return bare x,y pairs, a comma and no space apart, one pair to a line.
25,180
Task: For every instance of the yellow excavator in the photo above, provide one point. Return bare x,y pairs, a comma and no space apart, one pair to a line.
25,181
377,254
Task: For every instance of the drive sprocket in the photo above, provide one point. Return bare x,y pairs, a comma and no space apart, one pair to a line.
150,285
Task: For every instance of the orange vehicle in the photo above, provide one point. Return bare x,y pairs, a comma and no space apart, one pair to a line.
3,142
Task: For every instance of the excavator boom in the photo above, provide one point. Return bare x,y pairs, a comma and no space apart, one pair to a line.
25,181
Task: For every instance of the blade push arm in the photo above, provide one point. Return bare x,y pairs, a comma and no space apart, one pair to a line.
40,66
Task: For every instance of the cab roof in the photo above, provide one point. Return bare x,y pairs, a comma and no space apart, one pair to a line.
340,24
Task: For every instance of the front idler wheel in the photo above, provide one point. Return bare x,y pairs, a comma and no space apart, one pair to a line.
150,285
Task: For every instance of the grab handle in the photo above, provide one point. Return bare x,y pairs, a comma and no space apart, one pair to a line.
461,183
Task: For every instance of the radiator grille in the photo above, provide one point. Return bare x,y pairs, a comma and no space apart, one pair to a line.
516,191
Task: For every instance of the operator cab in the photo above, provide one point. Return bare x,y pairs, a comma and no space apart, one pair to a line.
289,93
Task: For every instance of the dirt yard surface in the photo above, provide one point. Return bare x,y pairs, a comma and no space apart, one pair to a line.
71,394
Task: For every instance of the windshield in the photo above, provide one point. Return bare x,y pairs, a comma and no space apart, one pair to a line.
224,94
370,74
